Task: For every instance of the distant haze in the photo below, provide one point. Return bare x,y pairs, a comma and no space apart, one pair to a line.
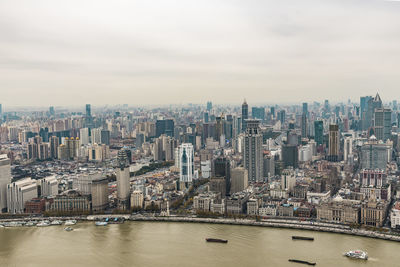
160,52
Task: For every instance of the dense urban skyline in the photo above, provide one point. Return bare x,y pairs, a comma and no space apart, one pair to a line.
169,52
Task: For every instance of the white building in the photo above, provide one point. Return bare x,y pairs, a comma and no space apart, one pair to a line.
123,188
205,169
288,180
267,210
83,182
186,162
348,148
395,216
5,178
84,136
49,186
96,136
317,198
20,192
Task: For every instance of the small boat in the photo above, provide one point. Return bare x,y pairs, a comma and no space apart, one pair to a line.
302,262
56,222
216,240
70,222
1,226
302,238
357,254
30,223
43,224
101,223
68,229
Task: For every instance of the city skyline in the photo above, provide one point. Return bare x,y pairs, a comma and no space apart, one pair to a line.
59,54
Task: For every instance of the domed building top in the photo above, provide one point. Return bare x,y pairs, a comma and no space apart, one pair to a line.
372,138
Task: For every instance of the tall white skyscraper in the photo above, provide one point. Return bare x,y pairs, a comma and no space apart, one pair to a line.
348,148
96,136
84,136
5,178
123,187
186,162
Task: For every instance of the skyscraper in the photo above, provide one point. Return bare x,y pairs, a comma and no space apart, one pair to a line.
165,127
54,143
333,154
382,123
363,111
319,132
348,148
209,106
245,114
51,111
88,111
375,155
84,136
123,187
258,113
222,168
105,137
373,103
186,163
304,117
290,155
253,152
282,116
88,117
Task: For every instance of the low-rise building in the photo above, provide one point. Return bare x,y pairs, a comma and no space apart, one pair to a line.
267,210
339,211
373,212
252,207
395,216
70,201
285,210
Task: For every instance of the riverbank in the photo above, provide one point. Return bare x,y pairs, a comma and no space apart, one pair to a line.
274,223
310,226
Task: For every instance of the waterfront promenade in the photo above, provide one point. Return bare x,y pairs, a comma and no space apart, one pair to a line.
271,222
277,223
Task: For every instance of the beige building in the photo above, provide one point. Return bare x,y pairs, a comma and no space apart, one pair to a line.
339,211
373,212
137,199
70,201
239,179
99,190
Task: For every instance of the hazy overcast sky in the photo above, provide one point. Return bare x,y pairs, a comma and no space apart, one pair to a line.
73,52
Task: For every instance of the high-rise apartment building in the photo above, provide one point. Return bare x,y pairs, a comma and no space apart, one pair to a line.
54,143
